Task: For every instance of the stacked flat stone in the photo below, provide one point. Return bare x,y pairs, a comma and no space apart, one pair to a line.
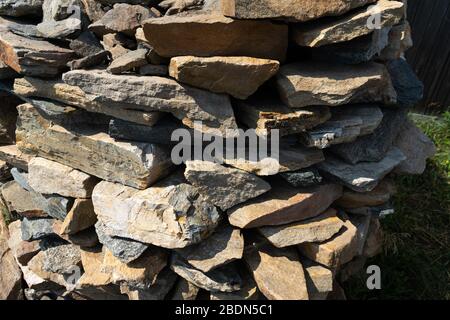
92,96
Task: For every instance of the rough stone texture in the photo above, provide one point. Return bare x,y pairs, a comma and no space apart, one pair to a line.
154,70
123,17
10,275
55,206
374,147
140,273
20,201
417,148
32,57
400,40
215,35
238,76
224,187
284,204
249,289
36,229
319,280
80,217
335,252
225,279
158,94
305,84
62,259
89,61
303,178
347,123
264,114
289,10
164,282
364,176
96,153
377,197
23,251
48,177
17,8
170,214
222,247
359,50
374,241
13,156
8,118
292,157
184,290
74,96
52,29
126,250
318,229
266,262
128,61
350,26
408,86
86,44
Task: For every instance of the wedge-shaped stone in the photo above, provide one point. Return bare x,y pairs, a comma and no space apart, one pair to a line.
417,148
335,252
49,177
126,250
284,204
13,156
223,246
10,275
123,17
347,123
18,8
157,94
364,176
237,76
170,214
374,147
265,114
215,35
71,95
225,279
289,10
36,229
20,201
32,57
308,84
292,157
80,217
319,280
278,272
128,61
351,26
224,187
318,229
23,251
140,273
377,197
137,164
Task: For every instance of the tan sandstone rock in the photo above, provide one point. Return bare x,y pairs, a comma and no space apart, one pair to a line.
80,217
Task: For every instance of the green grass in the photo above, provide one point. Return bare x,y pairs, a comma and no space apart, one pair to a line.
415,263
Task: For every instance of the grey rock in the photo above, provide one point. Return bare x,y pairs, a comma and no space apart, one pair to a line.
225,245
158,94
364,176
62,259
417,148
406,83
36,229
128,61
89,61
17,8
224,187
154,70
359,50
303,178
126,250
170,214
225,279
346,125
59,29
164,282
373,147
86,44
